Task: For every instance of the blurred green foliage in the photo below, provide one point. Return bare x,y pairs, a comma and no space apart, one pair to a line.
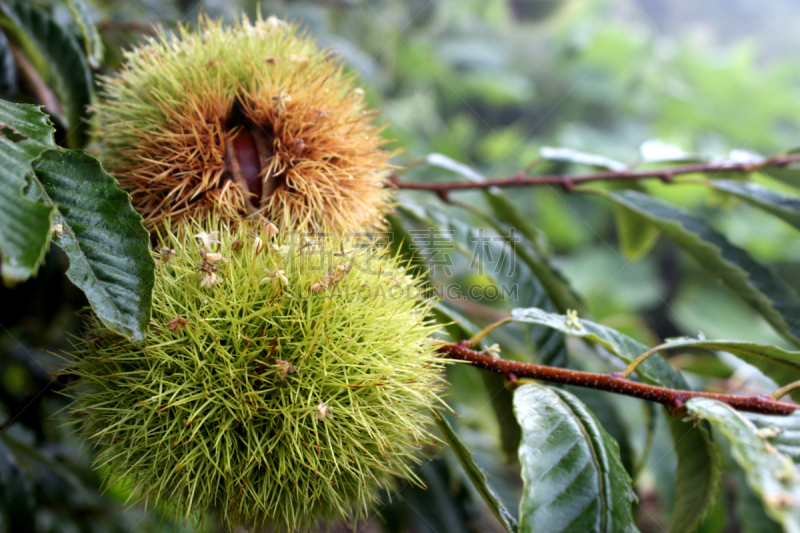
488,83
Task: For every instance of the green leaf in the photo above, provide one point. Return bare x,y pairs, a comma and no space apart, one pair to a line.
783,432
753,282
58,56
507,213
654,370
103,237
445,503
399,241
636,236
574,156
790,174
780,365
656,151
525,245
697,476
25,132
698,461
770,473
448,163
477,246
92,42
573,478
782,206
607,414
750,511
475,474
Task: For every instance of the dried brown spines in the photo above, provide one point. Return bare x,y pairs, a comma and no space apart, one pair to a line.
243,120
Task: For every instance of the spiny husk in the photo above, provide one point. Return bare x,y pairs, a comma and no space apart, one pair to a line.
283,393
168,120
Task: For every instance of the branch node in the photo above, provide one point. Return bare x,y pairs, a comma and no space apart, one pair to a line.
676,409
567,184
667,177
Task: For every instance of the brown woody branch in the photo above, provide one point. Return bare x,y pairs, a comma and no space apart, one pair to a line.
673,399
568,182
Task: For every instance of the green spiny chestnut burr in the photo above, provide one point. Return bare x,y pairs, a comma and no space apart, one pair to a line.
285,378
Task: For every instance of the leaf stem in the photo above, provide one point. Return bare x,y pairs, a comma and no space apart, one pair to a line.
569,181
488,329
673,399
786,389
631,368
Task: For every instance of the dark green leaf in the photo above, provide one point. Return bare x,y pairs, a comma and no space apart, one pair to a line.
770,473
16,492
573,478
606,413
507,218
103,237
523,241
717,518
753,282
749,509
697,477
25,132
636,236
443,504
497,261
8,67
698,461
475,474
92,42
507,213
400,240
784,207
59,57
790,174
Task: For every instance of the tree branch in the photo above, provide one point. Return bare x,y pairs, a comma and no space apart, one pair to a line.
569,181
673,399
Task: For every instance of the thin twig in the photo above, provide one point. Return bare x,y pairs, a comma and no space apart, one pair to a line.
673,399
568,182
136,27
35,83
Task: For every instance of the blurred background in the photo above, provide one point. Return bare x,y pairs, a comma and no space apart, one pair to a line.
487,83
